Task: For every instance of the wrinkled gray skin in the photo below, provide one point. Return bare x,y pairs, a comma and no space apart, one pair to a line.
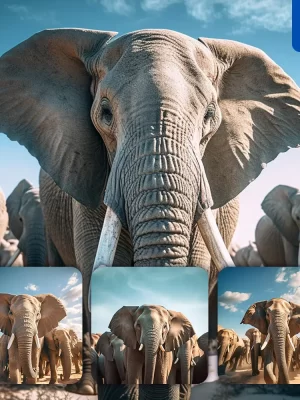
231,348
277,233
26,316
4,370
256,341
151,326
280,319
3,215
245,358
248,256
27,223
113,348
155,103
58,339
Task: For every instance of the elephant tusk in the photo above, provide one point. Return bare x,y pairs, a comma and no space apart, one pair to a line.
141,347
213,240
176,361
59,352
219,347
161,348
193,362
37,342
107,245
13,258
11,341
266,341
228,348
252,347
291,342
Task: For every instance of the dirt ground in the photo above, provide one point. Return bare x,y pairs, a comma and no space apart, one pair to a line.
73,378
243,374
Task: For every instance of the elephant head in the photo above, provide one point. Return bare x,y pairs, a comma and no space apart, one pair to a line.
59,340
279,319
3,215
27,223
227,339
185,355
282,205
247,349
113,348
152,328
248,256
27,318
94,339
166,125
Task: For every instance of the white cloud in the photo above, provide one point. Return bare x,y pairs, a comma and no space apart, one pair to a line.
280,277
74,310
157,5
293,296
71,282
294,280
74,294
229,307
31,287
234,297
122,7
26,14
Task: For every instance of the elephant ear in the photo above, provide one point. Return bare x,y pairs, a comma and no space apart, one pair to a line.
105,347
260,106
181,330
256,316
278,206
249,333
294,323
45,103
49,338
5,325
52,311
122,325
13,204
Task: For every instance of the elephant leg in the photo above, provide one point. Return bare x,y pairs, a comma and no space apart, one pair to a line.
41,369
172,376
269,365
52,361
47,368
134,367
14,364
76,363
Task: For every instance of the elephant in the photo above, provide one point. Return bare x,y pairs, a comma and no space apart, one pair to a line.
98,370
248,256
296,354
231,348
245,358
256,339
27,223
4,370
277,232
189,365
113,348
149,333
7,251
94,339
294,362
279,320
57,344
27,319
182,115
77,355
3,215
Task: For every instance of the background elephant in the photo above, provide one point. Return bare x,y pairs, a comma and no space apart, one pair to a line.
98,370
58,344
3,215
296,354
279,320
27,223
7,250
277,233
27,319
113,348
248,256
189,365
256,340
231,348
245,357
294,363
94,339
4,370
86,135
150,333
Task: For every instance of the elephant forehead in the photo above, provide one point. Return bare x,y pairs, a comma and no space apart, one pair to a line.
153,311
279,304
25,300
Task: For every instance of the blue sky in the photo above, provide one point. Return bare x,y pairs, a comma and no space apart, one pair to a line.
262,23
239,288
178,289
64,282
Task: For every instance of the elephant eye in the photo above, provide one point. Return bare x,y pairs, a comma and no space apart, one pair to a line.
10,313
210,113
106,112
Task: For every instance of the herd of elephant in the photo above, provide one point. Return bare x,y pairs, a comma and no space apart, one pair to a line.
33,344
148,345
277,232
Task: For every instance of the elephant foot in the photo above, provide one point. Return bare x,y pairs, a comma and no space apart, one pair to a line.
53,381
41,375
84,386
77,372
255,373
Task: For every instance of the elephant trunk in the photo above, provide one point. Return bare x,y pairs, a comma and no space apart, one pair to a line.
151,348
35,249
120,365
248,356
223,354
278,330
25,343
256,348
185,363
66,358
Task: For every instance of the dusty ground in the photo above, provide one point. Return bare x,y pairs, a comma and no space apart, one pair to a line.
73,378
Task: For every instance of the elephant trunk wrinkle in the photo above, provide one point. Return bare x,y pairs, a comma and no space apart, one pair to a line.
279,336
25,341
151,342
66,358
